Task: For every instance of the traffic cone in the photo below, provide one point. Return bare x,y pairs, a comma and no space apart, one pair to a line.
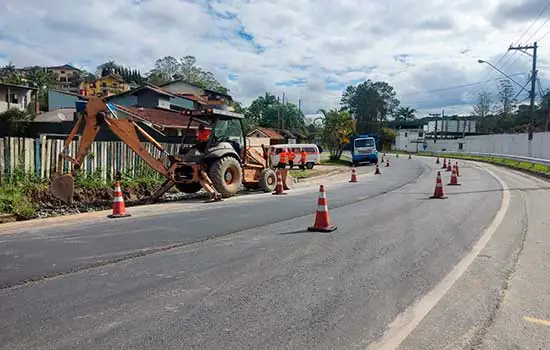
449,166
437,160
382,159
353,175
279,189
388,163
119,208
444,164
322,219
456,167
438,192
410,156
377,172
454,179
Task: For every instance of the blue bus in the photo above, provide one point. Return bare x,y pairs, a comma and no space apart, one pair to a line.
363,148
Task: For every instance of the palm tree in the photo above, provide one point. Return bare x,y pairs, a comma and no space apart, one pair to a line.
9,74
405,113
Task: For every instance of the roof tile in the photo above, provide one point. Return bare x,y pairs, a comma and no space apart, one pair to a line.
159,117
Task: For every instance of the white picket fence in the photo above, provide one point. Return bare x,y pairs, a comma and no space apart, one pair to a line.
39,157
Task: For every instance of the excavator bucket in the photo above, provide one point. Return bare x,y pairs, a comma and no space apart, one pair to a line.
62,187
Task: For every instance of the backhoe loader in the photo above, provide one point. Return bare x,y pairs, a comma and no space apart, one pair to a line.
221,166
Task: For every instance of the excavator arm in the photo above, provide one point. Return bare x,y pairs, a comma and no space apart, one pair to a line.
96,116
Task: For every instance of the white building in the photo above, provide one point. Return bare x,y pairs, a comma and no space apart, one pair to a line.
411,140
15,96
451,126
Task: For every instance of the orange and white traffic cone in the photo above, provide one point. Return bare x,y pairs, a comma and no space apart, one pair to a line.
438,192
449,166
119,208
279,188
377,171
322,219
444,163
353,175
454,179
437,160
388,163
456,167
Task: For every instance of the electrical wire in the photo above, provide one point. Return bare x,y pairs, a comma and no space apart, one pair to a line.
457,86
517,42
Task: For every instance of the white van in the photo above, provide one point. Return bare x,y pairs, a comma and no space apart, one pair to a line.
313,155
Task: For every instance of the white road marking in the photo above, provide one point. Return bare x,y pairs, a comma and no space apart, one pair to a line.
407,321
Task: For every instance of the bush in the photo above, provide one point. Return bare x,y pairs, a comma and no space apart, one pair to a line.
14,200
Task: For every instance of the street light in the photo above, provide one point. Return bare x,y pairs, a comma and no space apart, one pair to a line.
501,72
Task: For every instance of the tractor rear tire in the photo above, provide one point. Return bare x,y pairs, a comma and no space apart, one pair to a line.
268,180
227,176
192,187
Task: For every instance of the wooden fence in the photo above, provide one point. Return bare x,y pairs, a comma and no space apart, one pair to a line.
105,159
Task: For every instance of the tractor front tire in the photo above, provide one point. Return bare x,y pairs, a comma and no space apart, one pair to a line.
227,176
267,180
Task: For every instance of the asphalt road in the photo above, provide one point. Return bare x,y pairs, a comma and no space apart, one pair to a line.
245,275
45,251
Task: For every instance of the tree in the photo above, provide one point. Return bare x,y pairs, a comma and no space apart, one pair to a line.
10,75
405,113
106,68
338,126
506,96
269,111
482,108
43,80
387,137
16,121
370,103
169,68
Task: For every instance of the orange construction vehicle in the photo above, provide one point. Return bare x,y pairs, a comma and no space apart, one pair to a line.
220,167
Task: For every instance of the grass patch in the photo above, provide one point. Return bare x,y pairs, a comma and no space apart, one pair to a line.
342,161
304,174
537,169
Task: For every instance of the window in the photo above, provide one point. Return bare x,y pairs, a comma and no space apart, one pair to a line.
14,98
420,134
460,146
104,85
364,143
229,130
406,134
62,72
309,149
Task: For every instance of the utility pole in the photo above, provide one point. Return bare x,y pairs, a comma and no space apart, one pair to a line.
283,113
278,112
533,87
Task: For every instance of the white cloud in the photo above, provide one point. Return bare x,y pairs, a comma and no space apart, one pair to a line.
418,46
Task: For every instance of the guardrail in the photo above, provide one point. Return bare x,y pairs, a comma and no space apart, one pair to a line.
530,160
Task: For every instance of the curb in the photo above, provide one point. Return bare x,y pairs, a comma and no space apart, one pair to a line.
69,219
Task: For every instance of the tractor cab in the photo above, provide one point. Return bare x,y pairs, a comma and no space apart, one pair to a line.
225,135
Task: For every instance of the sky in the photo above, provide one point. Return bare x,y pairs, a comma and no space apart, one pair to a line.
310,50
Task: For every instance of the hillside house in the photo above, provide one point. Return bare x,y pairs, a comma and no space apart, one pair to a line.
67,76
17,96
213,98
108,85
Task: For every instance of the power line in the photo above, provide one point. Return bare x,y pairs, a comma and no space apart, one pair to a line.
517,43
457,86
